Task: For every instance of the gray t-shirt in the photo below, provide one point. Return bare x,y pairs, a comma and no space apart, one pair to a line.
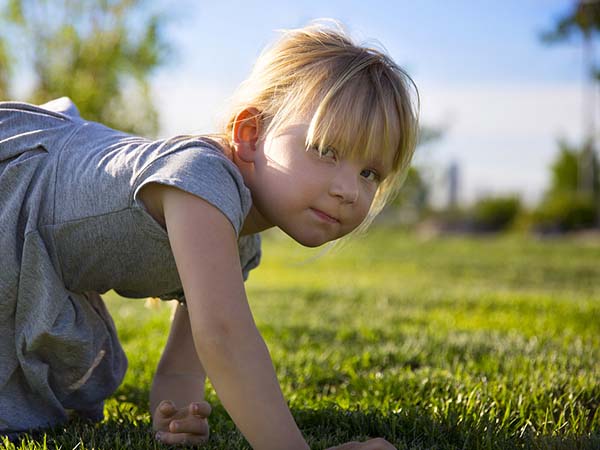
72,227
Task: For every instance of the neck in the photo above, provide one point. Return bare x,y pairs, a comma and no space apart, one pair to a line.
254,223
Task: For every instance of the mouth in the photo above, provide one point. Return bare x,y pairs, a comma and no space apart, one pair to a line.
324,216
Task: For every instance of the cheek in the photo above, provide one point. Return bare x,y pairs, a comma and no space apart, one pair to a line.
368,201
363,213
360,213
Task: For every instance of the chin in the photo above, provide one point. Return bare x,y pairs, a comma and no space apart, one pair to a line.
311,241
311,244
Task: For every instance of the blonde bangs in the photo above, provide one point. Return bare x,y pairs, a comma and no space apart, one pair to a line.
359,123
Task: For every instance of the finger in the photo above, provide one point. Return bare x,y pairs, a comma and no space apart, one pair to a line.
202,409
167,408
165,412
199,409
190,425
180,438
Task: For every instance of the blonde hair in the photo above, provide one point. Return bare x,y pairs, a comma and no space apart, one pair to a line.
357,99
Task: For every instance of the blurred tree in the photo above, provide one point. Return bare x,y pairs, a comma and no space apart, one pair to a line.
416,190
99,53
494,213
414,193
564,170
563,212
412,202
583,17
566,206
4,65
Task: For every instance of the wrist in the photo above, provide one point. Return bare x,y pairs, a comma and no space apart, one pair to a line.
181,388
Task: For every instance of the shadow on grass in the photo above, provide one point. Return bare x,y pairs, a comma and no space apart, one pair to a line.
125,428
415,430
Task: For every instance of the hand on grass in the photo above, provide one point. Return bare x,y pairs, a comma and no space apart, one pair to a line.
371,444
184,426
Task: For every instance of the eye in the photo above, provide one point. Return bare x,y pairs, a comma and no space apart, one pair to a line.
370,175
329,152
326,153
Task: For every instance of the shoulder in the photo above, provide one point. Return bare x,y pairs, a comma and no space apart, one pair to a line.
63,105
210,156
158,198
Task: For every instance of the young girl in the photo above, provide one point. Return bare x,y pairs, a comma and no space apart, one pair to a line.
319,138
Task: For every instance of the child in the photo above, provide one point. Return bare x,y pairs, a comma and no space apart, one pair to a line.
319,138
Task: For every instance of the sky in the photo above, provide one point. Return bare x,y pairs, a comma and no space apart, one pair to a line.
501,96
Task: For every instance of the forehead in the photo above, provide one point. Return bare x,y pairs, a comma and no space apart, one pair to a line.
296,127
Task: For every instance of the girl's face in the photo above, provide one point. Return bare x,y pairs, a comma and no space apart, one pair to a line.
313,198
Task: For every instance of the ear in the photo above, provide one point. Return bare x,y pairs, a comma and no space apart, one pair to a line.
246,131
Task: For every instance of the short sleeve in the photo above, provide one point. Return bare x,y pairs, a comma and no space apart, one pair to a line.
205,172
63,105
250,253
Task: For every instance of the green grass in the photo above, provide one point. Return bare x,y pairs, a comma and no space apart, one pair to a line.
455,343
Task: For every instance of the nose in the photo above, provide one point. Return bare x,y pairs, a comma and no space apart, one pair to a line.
344,184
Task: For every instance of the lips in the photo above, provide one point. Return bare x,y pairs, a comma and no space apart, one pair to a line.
324,216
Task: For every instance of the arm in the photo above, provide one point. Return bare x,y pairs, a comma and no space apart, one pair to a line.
225,336
179,416
179,376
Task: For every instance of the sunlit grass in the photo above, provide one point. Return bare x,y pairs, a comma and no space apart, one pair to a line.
446,343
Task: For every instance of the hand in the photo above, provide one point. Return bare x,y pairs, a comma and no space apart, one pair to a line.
371,444
185,426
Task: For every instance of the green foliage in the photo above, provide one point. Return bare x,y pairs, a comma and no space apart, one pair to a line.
488,214
565,211
412,200
4,64
582,18
495,213
565,207
441,344
414,193
565,170
99,53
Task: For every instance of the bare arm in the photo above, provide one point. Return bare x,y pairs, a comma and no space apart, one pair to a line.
226,339
179,376
179,416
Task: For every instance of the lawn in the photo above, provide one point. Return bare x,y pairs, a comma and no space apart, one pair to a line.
447,343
